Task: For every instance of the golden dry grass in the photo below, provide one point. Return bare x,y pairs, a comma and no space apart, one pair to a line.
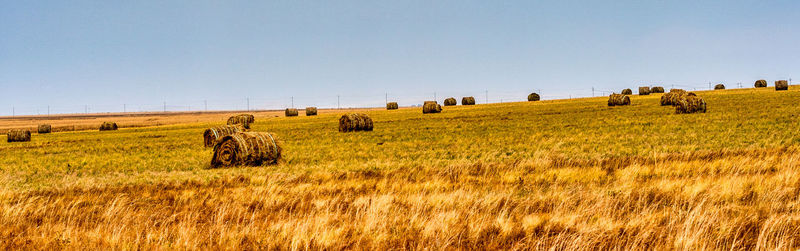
564,174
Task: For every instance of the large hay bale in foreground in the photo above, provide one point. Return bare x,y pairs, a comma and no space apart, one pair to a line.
644,90
450,102
674,96
431,107
618,99
212,135
760,83
534,97
781,85
657,89
690,104
18,135
719,87
391,106
352,122
311,111
45,128
246,148
108,126
242,119
291,112
627,91
468,101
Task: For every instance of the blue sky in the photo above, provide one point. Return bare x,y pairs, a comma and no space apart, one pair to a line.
71,55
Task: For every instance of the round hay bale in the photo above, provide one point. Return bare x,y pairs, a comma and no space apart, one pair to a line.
627,91
211,136
690,104
108,126
431,107
311,111
677,90
644,90
781,85
242,119
674,96
534,97
352,122
45,128
468,101
291,112
618,99
450,102
760,83
657,89
246,148
719,87
391,106
18,135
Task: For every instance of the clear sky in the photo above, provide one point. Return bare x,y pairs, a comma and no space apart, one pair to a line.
140,54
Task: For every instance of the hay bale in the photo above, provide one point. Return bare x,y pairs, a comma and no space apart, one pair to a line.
391,106
781,85
291,112
674,96
618,99
242,119
690,104
644,90
450,102
355,122
468,101
657,89
18,135
760,83
45,128
246,148
108,126
677,90
431,107
534,97
211,136
311,111
627,91
719,87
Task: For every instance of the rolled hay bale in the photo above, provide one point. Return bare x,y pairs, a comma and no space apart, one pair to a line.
690,104
241,119
627,91
391,106
781,85
534,97
644,90
719,87
468,101
18,135
108,126
352,122
450,102
213,135
674,96
431,107
676,90
291,112
45,128
760,83
246,148
657,89
311,111
618,99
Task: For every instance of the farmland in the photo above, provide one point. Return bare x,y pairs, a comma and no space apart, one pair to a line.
573,174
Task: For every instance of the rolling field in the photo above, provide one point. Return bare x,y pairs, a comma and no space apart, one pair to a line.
562,174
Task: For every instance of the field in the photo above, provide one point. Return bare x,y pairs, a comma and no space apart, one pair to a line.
561,174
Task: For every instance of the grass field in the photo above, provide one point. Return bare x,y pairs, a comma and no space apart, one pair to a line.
562,174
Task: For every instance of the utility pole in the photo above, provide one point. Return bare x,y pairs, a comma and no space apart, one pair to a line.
85,108
292,101
709,85
387,97
205,104
487,96
592,91
434,96
248,104
48,110
124,108
165,106
338,104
